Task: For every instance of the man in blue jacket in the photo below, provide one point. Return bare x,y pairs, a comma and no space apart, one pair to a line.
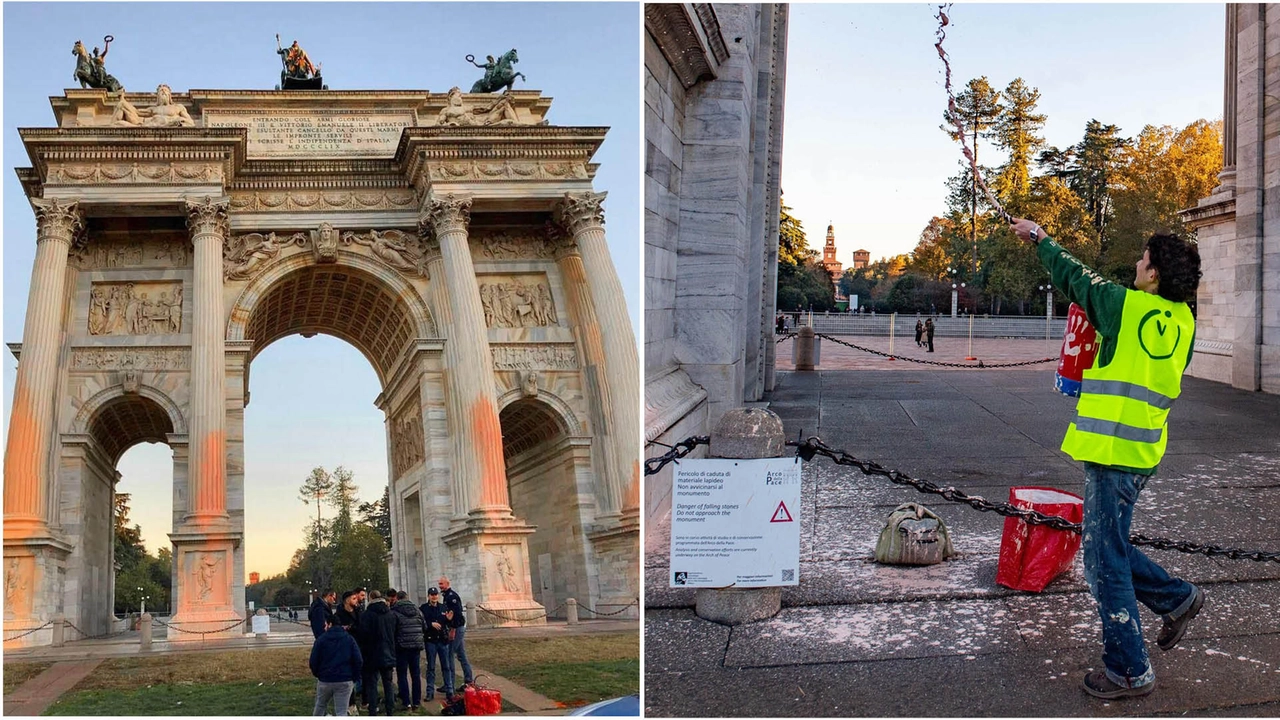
437,642
336,663
458,623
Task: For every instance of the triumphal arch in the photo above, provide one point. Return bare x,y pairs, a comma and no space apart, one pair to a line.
455,239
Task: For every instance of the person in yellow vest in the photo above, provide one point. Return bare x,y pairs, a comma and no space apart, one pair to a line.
1145,336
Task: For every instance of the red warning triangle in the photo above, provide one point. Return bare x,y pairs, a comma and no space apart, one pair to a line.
781,514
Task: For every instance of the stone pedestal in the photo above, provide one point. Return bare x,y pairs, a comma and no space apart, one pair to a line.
34,575
202,596
493,559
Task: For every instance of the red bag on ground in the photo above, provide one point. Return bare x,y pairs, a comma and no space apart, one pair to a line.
482,700
1031,556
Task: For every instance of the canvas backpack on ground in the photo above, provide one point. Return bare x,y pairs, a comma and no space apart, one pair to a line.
913,535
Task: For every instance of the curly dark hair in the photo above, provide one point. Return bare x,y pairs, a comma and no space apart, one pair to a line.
1178,263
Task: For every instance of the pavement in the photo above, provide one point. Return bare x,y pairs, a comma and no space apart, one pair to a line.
859,639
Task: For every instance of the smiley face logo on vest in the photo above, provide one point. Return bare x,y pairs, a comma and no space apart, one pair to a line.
1154,336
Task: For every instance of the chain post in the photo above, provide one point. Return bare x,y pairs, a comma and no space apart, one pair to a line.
743,433
804,348
571,611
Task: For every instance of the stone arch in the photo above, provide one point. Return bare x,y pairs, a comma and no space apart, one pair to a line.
359,276
563,413
550,485
91,408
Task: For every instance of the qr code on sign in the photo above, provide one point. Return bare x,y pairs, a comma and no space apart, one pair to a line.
789,575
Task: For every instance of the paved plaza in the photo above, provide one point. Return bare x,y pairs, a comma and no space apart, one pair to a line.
860,639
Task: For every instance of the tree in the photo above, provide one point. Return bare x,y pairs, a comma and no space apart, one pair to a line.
360,559
129,549
1096,157
315,488
978,108
1017,131
377,515
342,498
930,257
793,246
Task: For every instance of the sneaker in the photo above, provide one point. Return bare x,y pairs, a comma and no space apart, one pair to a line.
1099,685
1174,629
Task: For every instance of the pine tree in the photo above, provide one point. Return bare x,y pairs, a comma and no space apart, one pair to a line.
314,489
978,107
1017,131
1096,158
342,499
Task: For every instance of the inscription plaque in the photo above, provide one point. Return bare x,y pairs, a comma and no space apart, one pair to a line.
336,134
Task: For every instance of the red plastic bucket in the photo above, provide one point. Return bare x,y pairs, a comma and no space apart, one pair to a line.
1079,347
1031,556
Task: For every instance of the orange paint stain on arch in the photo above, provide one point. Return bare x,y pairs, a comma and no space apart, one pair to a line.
211,461
486,434
20,460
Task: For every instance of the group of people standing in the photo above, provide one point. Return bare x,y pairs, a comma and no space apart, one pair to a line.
924,334
363,638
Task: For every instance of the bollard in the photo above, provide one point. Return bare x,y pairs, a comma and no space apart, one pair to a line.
470,613
59,630
804,348
144,631
571,611
744,433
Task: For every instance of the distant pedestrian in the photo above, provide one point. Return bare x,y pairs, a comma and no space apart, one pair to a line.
321,610
378,646
410,642
781,324
336,663
928,331
457,637
437,641
919,332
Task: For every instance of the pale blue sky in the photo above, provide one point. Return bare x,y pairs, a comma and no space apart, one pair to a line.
312,400
865,97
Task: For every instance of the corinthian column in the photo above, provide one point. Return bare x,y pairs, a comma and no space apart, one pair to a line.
207,468
480,471
26,459
619,385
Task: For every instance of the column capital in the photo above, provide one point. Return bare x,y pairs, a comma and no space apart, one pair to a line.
57,220
208,215
448,213
562,242
581,211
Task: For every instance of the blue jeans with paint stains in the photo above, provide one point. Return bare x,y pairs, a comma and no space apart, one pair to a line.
1120,576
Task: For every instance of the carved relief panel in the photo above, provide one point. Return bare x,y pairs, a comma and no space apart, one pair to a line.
406,439
504,564
19,579
512,245
517,302
135,308
102,255
135,359
206,577
529,356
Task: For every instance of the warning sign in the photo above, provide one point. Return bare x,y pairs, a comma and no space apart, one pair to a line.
732,524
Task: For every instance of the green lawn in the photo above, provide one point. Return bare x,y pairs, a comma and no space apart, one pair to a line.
570,670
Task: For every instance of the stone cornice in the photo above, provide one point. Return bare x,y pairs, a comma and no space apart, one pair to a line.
689,37
1213,210
54,151
668,397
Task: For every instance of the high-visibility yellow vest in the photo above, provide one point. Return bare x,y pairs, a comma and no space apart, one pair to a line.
1123,407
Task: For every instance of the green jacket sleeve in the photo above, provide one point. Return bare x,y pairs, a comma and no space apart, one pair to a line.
1101,299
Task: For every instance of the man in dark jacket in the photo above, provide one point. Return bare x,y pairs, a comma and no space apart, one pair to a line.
347,616
336,663
437,641
458,621
320,611
378,645
410,641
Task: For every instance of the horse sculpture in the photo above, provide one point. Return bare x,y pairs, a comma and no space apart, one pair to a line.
498,75
90,71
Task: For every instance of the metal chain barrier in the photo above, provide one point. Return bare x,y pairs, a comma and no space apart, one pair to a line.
814,446
980,366
597,613
782,337
653,466
100,636
520,619
174,627
28,632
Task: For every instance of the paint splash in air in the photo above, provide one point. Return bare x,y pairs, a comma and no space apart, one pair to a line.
957,117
